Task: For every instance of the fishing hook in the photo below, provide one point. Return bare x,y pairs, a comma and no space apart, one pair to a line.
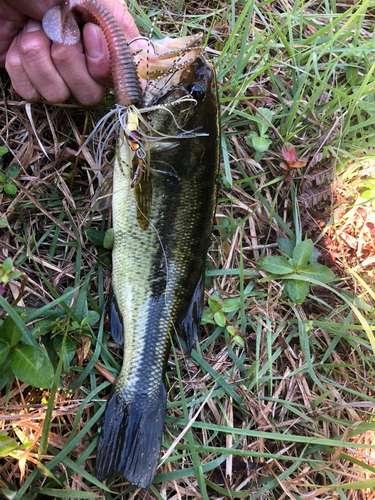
144,38
141,153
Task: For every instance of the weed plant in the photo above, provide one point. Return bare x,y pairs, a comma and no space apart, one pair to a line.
277,399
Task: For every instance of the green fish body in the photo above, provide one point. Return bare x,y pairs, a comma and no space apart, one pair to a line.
162,229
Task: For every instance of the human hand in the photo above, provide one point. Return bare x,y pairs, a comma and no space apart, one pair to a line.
39,68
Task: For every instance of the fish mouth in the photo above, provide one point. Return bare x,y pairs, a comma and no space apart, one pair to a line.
172,56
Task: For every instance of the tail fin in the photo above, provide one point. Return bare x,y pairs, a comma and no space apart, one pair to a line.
131,438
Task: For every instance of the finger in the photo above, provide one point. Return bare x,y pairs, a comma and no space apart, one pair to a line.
119,11
70,62
20,81
96,48
33,9
35,53
97,55
11,22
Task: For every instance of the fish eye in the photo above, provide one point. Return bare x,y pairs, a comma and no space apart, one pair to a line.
197,91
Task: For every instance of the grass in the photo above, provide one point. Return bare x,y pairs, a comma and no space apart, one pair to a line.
291,413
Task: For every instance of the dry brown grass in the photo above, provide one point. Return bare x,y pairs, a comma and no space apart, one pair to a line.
298,374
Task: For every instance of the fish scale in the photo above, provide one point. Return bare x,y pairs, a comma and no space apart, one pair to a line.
158,268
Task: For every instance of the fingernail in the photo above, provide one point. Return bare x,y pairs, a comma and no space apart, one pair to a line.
93,41
33,25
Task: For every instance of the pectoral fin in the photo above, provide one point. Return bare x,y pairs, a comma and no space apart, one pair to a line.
190,318
103,196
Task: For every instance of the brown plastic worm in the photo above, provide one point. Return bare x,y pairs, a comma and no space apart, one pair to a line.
58,21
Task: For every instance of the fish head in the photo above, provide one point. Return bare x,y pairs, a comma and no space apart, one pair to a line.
180,104
179,85
163,60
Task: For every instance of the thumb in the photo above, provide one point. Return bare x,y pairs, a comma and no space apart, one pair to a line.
97,56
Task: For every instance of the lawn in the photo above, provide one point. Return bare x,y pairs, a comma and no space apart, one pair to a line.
277,398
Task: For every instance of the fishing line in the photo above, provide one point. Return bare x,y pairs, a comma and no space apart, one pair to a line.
161,245
149,41
191,379
175,65
118,117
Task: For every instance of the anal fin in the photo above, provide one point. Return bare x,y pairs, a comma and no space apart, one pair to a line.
190,318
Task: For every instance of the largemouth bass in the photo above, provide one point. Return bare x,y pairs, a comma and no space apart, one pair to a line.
164,197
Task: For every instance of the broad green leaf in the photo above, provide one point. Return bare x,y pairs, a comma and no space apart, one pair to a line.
213,304
4,350
7,265
27,338
370,183
207,317
3,150
3,222
2,178
13,170
94,317
302,252
277,265
286,245
367,195
80,307
42,327
261,144
297,290
230,305
239,341
109,239
317,272
7,445
351,74
85,321
263,127
95,236
314,256
231,330
10,333
32,366
14,274
10,189
6,373
220,318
